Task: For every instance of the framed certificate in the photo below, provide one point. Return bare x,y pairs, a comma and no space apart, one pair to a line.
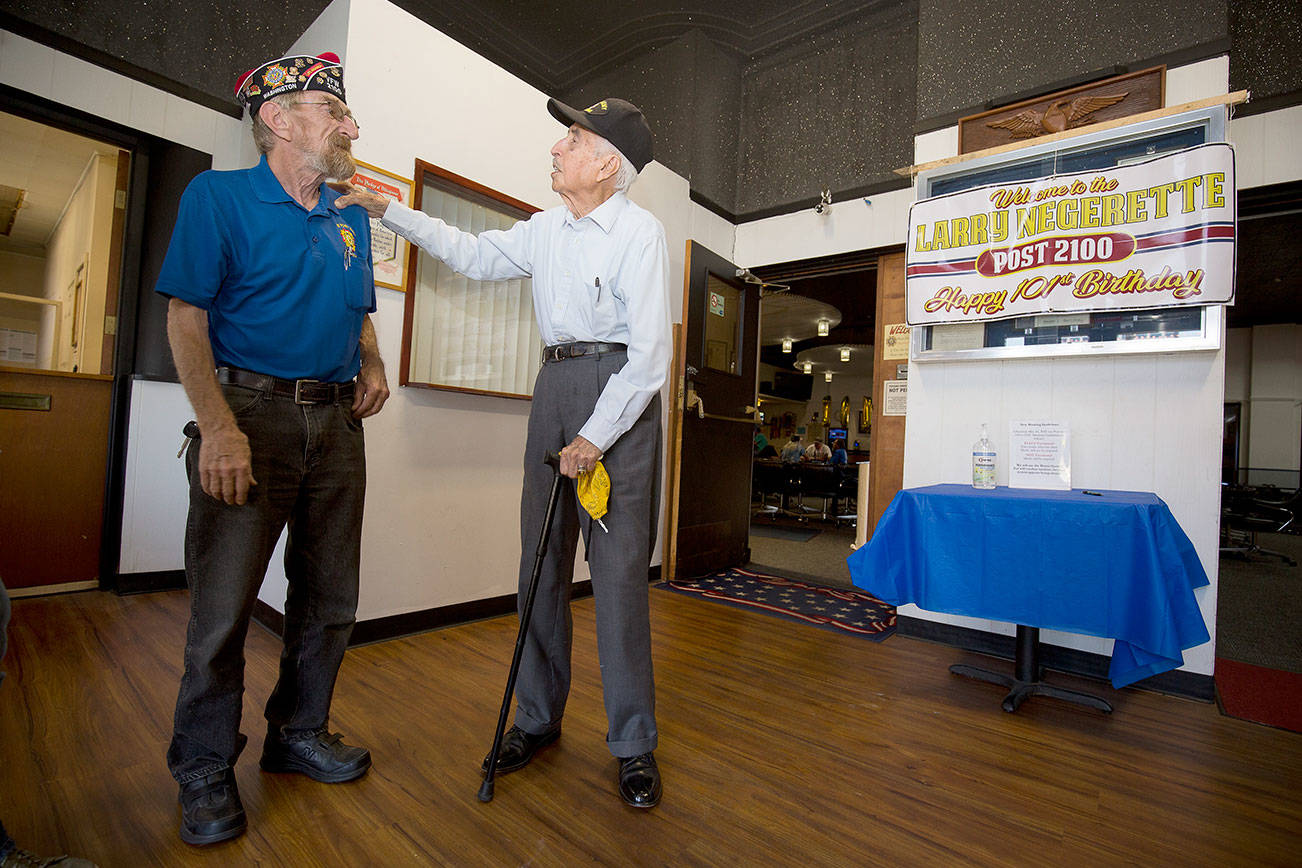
389,250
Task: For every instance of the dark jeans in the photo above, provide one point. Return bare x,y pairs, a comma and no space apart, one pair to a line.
310,465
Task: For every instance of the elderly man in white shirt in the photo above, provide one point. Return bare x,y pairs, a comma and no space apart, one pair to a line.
599,267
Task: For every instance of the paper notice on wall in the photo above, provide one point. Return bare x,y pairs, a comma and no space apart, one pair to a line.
895,341
895,397
17,347
1039,455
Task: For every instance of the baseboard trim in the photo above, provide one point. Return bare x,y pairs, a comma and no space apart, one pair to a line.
411,623
1189,685
144,583
42,590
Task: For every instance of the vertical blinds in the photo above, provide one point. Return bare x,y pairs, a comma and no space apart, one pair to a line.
471,334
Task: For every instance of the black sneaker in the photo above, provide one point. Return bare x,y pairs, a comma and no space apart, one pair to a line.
211,810
322,756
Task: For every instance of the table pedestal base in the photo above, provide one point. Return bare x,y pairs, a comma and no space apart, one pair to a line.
1025,681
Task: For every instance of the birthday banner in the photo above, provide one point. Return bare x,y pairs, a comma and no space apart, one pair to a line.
1153,234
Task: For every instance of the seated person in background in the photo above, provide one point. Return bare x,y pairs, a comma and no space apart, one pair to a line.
838,453
793,450
818,451
761,442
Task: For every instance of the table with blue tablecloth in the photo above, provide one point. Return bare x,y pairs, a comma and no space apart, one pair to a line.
1114,564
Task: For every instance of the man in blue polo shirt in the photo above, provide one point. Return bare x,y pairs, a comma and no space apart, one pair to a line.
270,289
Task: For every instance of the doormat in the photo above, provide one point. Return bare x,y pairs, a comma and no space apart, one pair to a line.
1258,694
841,610
777,531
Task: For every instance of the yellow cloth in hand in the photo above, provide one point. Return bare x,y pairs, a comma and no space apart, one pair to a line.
594,490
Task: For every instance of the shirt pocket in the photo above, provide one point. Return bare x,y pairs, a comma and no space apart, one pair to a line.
359,279
606,305
359,285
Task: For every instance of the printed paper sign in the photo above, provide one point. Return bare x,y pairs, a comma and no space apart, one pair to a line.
1039,455
895,397
895,341
1155,234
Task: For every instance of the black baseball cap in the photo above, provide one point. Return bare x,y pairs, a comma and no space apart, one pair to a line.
617,121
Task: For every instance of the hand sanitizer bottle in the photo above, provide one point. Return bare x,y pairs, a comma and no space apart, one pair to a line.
983,461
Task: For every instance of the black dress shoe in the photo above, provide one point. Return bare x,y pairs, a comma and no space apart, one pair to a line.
322,756
211,809
518,747
639,781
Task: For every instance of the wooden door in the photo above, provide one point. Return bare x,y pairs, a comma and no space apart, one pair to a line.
712,421
53,455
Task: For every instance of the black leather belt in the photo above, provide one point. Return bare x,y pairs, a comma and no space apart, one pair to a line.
561,352
302,391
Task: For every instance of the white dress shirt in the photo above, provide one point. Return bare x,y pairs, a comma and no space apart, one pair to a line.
604,278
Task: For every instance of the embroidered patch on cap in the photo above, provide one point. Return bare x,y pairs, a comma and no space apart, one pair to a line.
288,74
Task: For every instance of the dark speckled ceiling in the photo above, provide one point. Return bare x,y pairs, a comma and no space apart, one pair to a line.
557,45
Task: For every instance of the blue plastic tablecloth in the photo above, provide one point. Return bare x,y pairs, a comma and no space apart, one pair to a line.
1117,566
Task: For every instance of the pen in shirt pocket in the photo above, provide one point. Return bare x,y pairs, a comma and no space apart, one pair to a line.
597,283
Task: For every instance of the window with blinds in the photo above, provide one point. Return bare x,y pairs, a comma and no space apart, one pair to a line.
467,335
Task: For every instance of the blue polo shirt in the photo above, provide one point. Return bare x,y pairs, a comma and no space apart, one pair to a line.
285,288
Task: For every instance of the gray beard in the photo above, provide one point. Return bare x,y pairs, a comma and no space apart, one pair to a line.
337,163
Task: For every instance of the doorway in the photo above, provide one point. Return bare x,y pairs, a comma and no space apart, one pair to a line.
81,323
62,223
817,336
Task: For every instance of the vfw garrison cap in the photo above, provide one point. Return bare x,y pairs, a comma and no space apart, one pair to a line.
286,74
617,121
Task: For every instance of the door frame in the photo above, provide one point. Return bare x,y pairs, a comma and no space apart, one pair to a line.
127,276
679,388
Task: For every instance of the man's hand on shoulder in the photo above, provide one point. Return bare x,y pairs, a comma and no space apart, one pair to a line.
371,391
374,203
226,465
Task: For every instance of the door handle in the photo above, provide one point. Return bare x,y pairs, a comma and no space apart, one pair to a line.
694,400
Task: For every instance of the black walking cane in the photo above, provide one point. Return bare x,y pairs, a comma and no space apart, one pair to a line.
486,789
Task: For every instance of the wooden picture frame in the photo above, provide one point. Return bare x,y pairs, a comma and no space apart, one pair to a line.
390,252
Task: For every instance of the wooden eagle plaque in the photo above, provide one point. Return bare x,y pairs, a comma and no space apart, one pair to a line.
1115,97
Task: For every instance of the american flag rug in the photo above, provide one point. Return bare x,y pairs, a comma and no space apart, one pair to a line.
843,610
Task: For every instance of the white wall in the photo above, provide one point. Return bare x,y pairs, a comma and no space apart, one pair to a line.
1275,402
1146,423
21,274
1150,423
444,469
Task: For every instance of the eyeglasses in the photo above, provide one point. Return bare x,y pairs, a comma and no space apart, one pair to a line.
337,110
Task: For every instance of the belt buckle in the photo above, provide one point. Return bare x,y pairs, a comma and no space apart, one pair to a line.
298,390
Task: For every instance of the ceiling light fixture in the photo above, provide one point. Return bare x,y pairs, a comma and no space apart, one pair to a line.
827,376
786,345
823,326
809,367
845,354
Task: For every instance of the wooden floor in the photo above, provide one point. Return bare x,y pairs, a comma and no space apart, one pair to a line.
781,744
